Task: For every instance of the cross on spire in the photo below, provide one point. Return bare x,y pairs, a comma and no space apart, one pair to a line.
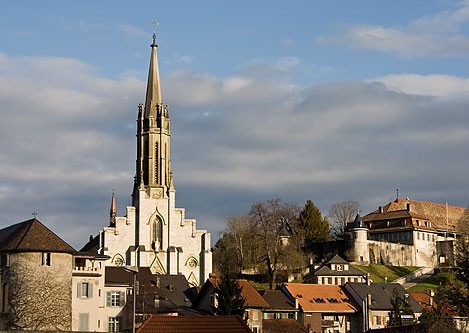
154,24
34,214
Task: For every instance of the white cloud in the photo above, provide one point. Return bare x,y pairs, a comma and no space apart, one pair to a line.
437,85
132,31
68,139
440,35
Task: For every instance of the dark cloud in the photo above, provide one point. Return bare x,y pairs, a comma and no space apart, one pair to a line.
68,139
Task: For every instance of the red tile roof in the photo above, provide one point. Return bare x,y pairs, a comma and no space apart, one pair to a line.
320,298
253,298
441,216
194,324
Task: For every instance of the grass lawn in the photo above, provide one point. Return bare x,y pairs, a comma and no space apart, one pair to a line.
378,273
433,282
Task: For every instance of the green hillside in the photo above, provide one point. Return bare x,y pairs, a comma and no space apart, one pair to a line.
379,273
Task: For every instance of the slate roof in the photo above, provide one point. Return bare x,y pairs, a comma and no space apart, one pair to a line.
172,292
434,212
381,294
283,326
278,301
32,236
194,324
327,271
321,298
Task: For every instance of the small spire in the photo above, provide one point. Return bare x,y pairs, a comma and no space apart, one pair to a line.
113,210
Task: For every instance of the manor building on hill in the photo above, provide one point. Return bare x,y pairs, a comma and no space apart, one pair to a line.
407,232
154,233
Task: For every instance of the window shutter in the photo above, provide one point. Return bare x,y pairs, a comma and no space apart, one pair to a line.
90,290
83,324
79,289
122,299
108,298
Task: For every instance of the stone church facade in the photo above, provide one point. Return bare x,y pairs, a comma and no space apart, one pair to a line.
154,233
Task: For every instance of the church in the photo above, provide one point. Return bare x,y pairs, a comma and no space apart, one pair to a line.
154,233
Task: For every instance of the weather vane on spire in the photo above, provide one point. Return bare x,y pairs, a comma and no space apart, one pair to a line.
154,24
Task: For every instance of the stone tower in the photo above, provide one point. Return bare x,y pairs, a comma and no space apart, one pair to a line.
154,233
359,233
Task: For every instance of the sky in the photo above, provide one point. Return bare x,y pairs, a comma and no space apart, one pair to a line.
300,100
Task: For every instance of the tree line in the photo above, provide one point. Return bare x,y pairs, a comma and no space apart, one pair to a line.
268,239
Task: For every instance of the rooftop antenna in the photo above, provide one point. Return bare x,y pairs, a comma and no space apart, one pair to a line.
397,194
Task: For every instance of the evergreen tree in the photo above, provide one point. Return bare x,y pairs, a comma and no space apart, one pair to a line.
400,306
230,300
314,226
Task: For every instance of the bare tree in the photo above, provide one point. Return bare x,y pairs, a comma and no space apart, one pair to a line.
340,214
39,299
273,219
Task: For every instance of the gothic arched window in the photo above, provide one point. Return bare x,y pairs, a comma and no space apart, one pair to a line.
157,234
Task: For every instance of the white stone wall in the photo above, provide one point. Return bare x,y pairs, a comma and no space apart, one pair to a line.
184,249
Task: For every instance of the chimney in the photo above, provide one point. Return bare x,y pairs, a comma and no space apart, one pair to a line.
380,209
408,206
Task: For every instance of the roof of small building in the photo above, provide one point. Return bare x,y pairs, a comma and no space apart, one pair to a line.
286,325
327,271
194,324
337,260
424,299
441,216
381,294
321,298
252,296
278,301
32,236
161,293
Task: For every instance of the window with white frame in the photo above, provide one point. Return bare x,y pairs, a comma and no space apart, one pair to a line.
85,290
115,298
114,324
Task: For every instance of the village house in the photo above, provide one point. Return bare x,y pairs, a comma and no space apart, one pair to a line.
206,301
322,308
374,303
335,271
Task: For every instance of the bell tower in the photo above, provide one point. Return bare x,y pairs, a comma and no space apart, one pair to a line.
153,169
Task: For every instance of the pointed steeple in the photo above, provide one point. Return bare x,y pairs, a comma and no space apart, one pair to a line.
113,211
153,168
153,96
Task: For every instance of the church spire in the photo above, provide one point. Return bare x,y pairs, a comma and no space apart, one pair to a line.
153,96
153,136
113,211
